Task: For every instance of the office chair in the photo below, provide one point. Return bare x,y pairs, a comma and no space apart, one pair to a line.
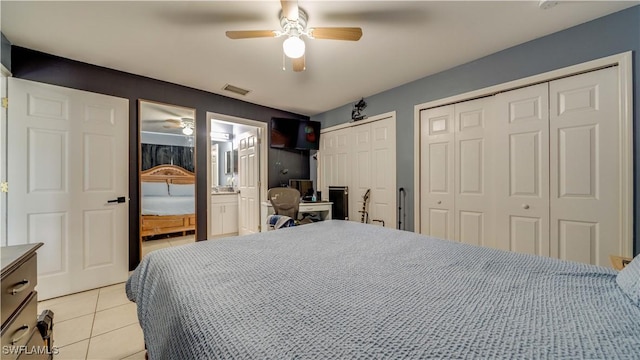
285,201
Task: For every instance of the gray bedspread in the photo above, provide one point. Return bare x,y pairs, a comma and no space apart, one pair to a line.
342,290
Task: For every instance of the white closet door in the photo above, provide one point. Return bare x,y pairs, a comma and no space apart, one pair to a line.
327,154
473,173
522,170
334,155
382,205
437,171
585,167
361,180
341,168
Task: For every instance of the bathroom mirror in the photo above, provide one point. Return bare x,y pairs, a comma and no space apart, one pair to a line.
167,175
222,154
231,162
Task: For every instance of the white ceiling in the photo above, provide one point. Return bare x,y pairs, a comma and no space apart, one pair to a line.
184,42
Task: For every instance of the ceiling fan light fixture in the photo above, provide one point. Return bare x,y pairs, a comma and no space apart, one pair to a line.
293,47
187,131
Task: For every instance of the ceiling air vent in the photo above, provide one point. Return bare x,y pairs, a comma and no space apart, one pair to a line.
235,89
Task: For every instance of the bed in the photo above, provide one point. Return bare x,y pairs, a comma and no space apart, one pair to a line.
343,290
168,201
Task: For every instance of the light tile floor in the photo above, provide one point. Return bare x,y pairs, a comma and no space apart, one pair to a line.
101,323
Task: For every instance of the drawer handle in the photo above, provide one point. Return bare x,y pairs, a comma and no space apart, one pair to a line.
23,285
25,330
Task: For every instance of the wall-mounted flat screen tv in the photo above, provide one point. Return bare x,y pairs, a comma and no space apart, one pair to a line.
295,134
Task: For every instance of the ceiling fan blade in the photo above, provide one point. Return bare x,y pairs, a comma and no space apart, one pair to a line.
175,121
248,34
172,126
290,9
298,64
337,33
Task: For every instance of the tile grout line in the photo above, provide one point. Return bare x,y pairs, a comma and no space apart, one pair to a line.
93,322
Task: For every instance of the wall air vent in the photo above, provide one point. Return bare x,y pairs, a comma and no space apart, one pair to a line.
235,89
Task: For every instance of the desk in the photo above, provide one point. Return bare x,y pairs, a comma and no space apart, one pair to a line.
321,207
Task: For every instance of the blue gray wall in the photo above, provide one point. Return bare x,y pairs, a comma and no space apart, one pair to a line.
609,35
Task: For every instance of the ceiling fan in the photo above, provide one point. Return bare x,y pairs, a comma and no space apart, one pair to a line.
294,25
186,124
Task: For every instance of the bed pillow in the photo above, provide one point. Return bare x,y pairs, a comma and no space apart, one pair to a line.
182,189
154,189
629,280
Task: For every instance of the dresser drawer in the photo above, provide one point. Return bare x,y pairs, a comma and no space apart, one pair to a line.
36,349
18,329
17,286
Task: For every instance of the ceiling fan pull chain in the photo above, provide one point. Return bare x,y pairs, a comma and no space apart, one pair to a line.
283,62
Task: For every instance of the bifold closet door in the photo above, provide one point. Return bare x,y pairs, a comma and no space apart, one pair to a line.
373,164
456,188
585,167
382,206
334,157
363,157
327,152
437,189
473,219
538,170
522,170
361,167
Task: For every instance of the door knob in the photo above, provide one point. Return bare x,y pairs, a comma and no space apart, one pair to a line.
118,200
525,206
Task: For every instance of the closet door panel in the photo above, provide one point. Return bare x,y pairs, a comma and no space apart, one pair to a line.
525,234
470,227
334,159
327,154
361,170
437,190
342,170
522,170
383,173
473,219
585,167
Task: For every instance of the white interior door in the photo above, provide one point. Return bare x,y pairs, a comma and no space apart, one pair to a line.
585,167
68,157
522,170
382,206
473,172
248,181
437,172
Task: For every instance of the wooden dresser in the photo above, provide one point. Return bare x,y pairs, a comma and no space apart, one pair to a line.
21,338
